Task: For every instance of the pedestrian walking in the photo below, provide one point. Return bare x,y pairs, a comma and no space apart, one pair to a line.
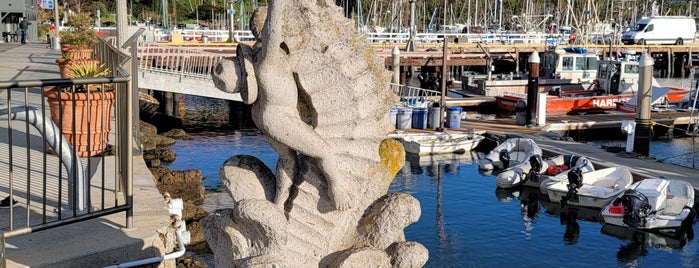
23,26
52,34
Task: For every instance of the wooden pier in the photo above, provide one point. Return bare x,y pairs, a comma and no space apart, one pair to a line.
670,60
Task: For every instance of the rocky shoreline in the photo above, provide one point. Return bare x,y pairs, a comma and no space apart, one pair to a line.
159,131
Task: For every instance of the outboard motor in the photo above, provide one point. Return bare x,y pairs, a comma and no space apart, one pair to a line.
636,208
535,170
574,183
489,142
505,158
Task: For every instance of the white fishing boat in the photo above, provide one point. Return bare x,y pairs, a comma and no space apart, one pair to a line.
440,142
511,152
535,171
591,189
653,204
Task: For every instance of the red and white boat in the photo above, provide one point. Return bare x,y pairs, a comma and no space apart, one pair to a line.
616,83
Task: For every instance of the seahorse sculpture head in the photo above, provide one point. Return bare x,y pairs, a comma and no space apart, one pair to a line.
327,204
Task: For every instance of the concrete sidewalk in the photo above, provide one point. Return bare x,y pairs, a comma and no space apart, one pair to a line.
92,243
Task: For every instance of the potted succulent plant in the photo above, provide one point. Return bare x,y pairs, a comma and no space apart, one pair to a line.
77,41
89,105
79,38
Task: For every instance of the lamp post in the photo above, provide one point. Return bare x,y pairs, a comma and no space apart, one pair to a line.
230,21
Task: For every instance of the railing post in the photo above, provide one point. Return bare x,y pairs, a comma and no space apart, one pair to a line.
125,148
3,262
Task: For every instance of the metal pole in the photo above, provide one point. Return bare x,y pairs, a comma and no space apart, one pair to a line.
443,85
532,86
641,143
57,41
395,65
411,40
230,22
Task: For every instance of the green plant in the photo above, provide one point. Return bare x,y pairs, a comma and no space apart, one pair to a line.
80,33
86,69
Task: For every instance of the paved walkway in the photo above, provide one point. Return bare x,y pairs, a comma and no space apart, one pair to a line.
93,243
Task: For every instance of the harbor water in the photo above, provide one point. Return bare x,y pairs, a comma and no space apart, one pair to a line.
467,222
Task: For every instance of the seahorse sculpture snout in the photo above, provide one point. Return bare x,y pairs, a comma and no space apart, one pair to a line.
243,81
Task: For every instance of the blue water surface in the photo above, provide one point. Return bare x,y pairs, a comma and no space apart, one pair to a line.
467,222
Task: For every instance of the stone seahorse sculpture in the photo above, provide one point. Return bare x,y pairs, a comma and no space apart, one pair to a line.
321,96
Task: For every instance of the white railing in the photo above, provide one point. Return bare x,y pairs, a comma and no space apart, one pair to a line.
488,38
177,61
211,35
404,91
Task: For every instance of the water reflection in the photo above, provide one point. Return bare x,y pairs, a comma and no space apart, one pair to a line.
638,242
463,225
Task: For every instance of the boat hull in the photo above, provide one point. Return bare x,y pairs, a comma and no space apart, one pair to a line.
598,188
440,143
571,104
670,200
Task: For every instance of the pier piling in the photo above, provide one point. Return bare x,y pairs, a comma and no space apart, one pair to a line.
532,87
641,144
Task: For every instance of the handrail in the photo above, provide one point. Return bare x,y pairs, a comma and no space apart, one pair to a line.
178,61
80,191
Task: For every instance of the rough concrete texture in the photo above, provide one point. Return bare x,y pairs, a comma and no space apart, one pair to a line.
321,97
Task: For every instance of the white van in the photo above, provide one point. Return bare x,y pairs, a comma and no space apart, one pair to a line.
678,30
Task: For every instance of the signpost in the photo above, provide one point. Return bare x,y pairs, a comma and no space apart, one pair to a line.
45,4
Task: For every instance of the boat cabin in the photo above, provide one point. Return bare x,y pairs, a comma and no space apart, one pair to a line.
569,63
618,77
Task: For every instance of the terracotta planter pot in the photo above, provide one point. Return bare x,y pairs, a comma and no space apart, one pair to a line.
63,65
78,53
86,141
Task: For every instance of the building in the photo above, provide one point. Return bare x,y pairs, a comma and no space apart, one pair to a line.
11,12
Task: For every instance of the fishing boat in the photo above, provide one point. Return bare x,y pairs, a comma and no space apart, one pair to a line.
439,143
537,170
568,69
511,152
591,189
653,204
616,82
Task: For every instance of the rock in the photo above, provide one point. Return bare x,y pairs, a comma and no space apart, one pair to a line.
147,104
185,184
177,133
164,154
146,127
408,254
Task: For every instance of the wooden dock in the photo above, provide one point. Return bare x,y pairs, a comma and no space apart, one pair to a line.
561,123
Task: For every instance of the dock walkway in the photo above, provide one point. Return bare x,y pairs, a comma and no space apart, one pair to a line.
640,167
91,243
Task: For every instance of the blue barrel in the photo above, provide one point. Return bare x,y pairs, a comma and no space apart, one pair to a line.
392,116
404,118
419,118
453,117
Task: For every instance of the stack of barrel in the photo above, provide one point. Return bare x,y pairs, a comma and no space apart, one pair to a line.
416,113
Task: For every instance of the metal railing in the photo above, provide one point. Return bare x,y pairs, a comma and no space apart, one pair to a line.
404,91
177,61
52,184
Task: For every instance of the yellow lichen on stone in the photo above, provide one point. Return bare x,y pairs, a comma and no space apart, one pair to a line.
392,155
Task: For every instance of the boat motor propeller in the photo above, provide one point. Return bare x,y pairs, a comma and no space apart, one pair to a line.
505,158
574,183
636,208
535,170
